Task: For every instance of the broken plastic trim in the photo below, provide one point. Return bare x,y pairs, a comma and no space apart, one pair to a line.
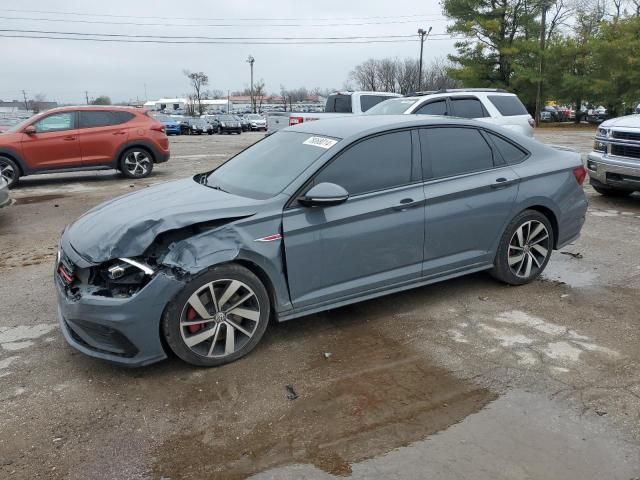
145,268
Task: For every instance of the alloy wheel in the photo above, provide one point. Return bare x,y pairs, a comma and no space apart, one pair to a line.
137,163
528,249
7,172
220,318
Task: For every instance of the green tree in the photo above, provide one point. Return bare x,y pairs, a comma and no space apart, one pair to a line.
101,100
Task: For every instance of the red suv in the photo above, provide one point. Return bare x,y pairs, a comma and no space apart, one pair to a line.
83,138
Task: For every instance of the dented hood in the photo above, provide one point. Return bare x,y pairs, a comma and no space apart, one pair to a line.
127,225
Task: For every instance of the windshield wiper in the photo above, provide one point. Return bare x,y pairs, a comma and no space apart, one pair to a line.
217,187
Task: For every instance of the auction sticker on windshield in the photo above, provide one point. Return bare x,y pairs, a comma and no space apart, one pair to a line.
322,142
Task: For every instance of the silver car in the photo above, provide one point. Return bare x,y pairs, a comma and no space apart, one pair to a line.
313,217
491,105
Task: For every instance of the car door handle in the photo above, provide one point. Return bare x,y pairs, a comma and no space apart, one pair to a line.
69,138
502,182
407,203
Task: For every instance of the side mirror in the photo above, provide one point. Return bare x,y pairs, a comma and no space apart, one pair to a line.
324,195
30,130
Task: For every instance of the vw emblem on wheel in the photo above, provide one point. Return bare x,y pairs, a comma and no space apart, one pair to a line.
220,317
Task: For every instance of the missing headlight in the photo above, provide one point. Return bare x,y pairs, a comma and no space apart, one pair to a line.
123,277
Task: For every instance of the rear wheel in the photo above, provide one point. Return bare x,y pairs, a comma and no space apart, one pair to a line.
9,170
136,163
611,192
218,317
524,249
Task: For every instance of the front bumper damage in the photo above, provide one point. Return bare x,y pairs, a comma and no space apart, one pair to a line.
120,330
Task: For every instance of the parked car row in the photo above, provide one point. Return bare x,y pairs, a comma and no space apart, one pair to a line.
210,124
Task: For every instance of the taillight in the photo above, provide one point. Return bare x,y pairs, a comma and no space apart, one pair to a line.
532,122
580,173
295,120
158,128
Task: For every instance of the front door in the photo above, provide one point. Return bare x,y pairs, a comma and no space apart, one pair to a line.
371,241
55,143
470,195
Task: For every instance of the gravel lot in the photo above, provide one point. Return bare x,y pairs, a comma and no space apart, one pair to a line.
463,379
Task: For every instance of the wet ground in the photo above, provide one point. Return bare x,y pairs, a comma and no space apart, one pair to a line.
464,379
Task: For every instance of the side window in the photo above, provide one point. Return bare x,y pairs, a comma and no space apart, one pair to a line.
510,153
433,108
368,101
56,122
122,117
454,151
373,164
97,118
467,108
338,104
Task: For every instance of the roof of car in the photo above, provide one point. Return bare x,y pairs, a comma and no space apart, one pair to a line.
94,107
360,125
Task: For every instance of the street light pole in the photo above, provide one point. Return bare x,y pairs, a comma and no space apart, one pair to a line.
423,35
251,61
543,36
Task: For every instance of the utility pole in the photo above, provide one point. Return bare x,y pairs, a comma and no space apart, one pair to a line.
228,102
250,61
26,104
423,35
543,38
145,93
86,96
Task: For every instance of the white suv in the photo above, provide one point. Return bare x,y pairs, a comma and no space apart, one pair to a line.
486,104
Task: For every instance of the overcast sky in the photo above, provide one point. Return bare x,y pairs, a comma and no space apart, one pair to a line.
63,69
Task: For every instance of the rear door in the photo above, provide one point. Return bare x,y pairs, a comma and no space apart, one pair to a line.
55,143
470,193
102,132
372,240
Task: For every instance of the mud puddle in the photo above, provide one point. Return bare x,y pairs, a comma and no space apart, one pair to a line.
572,271
520,435
370,396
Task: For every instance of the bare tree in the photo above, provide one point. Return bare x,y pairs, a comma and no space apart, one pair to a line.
407,75
387,74
199,80
258,95
284,94
37,104
365,75
212,94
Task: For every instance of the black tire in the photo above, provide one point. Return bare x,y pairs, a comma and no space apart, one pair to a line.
172,330
611,192
10,170
219,130
502,270
143,162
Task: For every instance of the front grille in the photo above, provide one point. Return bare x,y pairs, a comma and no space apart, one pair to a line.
625,151
101,339
626,135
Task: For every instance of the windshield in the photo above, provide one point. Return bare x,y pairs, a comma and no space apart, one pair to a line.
20,125
267,167
226,118
198,122
394,106
254,117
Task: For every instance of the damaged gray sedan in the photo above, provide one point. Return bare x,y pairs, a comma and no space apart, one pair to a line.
313,217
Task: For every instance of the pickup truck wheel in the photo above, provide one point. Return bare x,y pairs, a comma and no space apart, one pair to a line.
524,249
9,170
218,317
611,192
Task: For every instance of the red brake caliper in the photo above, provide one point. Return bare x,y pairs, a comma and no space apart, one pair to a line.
191,315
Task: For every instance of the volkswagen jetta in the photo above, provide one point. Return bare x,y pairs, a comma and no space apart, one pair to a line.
313,217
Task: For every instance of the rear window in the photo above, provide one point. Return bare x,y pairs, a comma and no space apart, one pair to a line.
338,104
508,105
368,101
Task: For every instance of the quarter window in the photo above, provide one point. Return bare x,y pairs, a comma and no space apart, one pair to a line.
55,123
510,153
448,152
433,108
467,108
374,164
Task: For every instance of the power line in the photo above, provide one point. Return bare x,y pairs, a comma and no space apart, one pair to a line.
222,42
414,16
254,25
183,37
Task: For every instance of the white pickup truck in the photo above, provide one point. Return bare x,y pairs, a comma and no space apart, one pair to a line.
338,104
